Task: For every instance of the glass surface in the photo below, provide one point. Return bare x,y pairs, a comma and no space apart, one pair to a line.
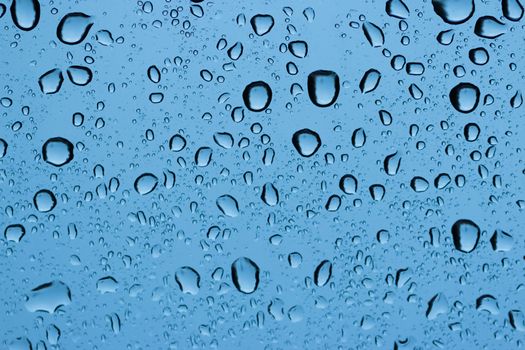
180,174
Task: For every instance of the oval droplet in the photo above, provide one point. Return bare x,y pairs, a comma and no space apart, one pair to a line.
228,205
465,234
14,233
323,87
146,183
370,81
245,275
51,81
262,24
270,195
25,13
323,273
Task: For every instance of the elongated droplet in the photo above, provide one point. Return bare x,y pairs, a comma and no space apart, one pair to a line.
270,195
25,13
489,27
370,81
512,9
323,273
465,234
323,87
79,75
245,275
373,34
228,205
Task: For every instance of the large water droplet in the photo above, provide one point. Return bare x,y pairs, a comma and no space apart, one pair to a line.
177,143
270,195
438,305
397,9
44,201
57,151
489,27
512,9
454,11
48,297
146,183
501,241
107,284
188,280
74,27
245,275
373,34
464,97
79,75
51,81
465,234
257,96
203,156
479,56
25,13
348,184
298,48
392,163
323,87
306,142
370,81
323,273
488,304
14,233
228,205
262,24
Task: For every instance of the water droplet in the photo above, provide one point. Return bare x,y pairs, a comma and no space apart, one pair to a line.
517,320
295,259
438,305
397,9
479,56
25,13
44,201
262,24
487,303
501,241
465,234
3,148
419,184
512,9
348,184
57,151
14,233
228,205
74,27
446,37
373,34
270,195
471,132
235,52
51,81
298,48
358,138
454,11
392,163
79,75
489,27
257,96
203,156
107,284
370,81
177,143
245,275
223,139
323,87
333,203
306,142
323,273
464,97
146,183
377,192
188,280
48,297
